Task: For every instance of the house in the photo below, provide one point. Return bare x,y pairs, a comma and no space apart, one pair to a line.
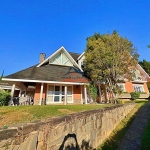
138,83
59,79
56,80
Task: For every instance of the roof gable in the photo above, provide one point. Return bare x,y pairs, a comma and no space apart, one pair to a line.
142,71
60,57
81,56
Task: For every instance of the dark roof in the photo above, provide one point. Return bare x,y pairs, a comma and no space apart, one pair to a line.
74,55
47,72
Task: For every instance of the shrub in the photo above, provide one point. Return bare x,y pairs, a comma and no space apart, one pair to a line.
119,101
135,95
4,97
93,91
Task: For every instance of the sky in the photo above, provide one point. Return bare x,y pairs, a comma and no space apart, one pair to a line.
31,27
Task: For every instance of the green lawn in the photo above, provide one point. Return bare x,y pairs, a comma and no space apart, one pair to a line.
116,136
18,114
146,137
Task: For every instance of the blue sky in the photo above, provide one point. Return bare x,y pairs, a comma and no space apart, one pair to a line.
29,27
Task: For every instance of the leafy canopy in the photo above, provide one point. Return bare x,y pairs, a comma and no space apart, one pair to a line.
108,58
145,65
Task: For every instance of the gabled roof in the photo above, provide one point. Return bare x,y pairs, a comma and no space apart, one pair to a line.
49,72
80,56
66,53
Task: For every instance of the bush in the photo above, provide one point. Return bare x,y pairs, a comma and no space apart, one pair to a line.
119,101
135,95
4,97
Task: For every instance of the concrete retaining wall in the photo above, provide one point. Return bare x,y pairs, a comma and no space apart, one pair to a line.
82,130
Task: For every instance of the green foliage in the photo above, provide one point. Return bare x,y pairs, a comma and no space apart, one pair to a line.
4,98
108,58
119,101
146,139
93,91
148,85
145,65
135,95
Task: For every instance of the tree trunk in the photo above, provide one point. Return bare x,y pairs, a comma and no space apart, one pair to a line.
100,95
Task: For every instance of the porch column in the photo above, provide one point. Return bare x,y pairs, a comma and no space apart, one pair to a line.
12,94
85,94
41,93
65,100
81,95
20,93
25,92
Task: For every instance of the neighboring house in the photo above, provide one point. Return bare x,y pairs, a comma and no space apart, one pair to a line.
138,84
59,79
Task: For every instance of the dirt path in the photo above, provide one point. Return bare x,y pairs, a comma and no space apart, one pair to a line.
133,137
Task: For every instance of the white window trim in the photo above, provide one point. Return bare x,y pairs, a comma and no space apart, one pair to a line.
138,85
60,62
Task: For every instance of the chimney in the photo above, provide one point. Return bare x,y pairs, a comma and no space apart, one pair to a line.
42,57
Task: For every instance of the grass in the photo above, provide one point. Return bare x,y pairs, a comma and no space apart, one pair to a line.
20,114
116,136
146,137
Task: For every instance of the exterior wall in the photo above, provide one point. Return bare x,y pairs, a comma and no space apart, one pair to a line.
84,130
81,60
37,93
77,94
146,88
129,87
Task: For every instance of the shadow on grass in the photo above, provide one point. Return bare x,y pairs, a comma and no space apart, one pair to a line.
115,138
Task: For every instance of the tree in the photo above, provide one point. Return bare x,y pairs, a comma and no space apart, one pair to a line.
1,76
109,58
146,66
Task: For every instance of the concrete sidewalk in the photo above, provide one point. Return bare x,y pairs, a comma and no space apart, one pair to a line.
133,137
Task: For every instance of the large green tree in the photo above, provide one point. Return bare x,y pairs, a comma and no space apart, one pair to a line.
108,58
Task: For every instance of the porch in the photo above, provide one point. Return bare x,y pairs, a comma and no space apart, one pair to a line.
50,93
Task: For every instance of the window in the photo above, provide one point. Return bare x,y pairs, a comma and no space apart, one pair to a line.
122,87
61,59
137,76
138,88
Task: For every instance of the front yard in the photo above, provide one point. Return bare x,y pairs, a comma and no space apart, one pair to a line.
20,114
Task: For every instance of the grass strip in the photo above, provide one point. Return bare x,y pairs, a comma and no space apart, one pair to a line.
116,136
146,137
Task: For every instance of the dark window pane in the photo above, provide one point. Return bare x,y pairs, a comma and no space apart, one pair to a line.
57,90
63,90
56,99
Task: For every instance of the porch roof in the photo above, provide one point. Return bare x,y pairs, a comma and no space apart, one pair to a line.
50,72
